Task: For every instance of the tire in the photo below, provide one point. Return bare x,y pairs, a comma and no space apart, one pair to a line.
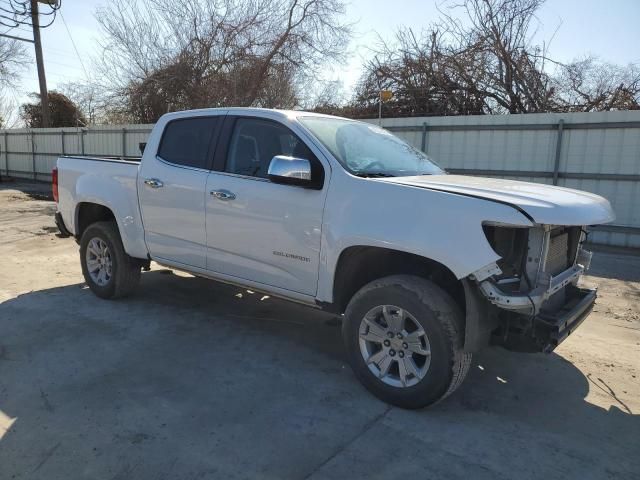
422,379
124,271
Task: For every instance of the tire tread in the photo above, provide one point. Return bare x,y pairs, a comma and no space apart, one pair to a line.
444,309
128,270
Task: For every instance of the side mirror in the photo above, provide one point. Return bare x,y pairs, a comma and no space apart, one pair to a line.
290,170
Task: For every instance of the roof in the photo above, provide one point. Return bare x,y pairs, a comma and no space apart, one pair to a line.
266,112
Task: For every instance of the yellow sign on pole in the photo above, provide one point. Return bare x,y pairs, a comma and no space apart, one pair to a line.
386,95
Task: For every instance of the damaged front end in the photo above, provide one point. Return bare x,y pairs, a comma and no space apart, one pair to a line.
533,300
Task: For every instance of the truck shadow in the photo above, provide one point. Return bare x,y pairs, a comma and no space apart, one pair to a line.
186,357
34,190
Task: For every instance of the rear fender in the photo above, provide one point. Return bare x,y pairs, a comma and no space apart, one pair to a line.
119,195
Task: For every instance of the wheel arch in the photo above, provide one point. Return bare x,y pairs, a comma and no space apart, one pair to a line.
90,212
361,264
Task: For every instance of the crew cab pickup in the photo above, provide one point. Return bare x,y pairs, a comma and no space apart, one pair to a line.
425,268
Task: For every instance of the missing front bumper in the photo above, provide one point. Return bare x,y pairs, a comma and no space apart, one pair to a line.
551,329
546,330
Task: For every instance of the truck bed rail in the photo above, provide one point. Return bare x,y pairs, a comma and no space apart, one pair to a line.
105,158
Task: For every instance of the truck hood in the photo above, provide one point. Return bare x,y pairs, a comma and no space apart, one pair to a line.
545,204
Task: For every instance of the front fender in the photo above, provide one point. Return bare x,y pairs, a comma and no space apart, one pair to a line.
440,226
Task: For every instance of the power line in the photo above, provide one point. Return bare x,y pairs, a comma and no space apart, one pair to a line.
22,15
4,35
19,29
67,57
74,46
63,64
14,20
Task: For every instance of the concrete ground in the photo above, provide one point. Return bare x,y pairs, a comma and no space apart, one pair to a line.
192,380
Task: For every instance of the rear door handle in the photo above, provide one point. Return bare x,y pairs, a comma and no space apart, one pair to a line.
223,195
153,183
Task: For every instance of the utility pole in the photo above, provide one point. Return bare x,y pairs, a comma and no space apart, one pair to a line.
384,95
44,96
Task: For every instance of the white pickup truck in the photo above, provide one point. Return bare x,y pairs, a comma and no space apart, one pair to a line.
425,267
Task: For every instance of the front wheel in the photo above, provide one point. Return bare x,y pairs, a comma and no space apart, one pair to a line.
403,336
107,269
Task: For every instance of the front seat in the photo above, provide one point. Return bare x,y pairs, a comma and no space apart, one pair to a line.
246,157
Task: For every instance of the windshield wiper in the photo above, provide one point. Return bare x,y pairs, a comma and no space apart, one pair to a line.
373,174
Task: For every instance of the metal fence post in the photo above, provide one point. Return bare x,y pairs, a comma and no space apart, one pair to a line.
62,141
556,164
81,142
124,142
33,155
424,137
6,151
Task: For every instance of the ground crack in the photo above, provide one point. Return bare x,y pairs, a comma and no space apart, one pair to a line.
365,428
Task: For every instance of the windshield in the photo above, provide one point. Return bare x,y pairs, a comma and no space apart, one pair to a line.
367,150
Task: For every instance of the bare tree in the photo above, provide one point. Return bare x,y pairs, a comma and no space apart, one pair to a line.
325,97
493,55
419,72
88,98
13,60
486,64
588,85
161,55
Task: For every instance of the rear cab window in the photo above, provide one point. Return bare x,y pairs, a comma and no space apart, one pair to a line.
188,142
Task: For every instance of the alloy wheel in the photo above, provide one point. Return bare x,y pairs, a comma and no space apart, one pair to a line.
99,262
394,346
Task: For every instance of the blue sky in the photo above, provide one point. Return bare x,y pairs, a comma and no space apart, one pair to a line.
607,29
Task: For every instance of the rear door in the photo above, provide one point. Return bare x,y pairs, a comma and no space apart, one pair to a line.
171,188
258,230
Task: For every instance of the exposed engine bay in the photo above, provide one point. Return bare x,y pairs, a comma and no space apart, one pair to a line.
534,298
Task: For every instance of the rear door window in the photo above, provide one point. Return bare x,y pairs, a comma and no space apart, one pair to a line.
188,141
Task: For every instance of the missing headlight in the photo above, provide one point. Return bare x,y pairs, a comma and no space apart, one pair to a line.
511,245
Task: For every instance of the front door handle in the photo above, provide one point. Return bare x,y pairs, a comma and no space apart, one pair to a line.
153,183
223,195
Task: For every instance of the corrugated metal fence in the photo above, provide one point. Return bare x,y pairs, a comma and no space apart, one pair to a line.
596,152
32,153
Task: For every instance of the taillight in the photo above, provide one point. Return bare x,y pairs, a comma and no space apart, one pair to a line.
54,184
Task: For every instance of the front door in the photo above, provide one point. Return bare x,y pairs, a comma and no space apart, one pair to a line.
258,230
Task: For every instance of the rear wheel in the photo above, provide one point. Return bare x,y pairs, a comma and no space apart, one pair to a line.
403,336
107,269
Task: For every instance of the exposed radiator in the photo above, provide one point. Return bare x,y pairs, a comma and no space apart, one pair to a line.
560,255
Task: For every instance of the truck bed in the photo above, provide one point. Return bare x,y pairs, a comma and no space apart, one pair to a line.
97,180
